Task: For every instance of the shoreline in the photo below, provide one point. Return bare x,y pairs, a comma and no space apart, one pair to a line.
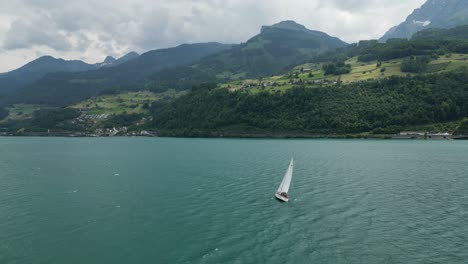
236,136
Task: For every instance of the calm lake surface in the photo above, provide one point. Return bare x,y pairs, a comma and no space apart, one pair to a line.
152,200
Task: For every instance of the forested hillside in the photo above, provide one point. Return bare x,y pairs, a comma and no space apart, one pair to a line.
384,106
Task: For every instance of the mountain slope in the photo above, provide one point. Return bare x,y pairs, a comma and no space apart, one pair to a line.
110,61
127,57
64,88
433,14
37,69
274,49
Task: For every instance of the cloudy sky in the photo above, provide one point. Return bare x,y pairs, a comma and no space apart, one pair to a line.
91,29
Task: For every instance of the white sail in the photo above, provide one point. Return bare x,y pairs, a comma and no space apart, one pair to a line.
284,186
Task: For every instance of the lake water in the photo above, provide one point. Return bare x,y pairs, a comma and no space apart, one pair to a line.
152,200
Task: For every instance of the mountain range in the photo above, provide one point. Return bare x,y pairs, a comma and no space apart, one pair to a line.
276,49
35,70
110,61
61,88
433,14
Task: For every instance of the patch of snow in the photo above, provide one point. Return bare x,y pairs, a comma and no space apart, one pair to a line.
422,23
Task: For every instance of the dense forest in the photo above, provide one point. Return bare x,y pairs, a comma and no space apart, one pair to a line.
463,128
3,113
336,68
53,118
45,119
384,106
415,64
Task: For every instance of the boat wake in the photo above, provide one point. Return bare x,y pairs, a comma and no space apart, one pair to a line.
212,253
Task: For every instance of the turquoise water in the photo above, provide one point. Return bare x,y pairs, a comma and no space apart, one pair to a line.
151,200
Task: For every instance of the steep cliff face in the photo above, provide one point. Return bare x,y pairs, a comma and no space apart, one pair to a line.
433,14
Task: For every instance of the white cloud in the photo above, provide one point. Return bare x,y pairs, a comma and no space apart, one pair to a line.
90,29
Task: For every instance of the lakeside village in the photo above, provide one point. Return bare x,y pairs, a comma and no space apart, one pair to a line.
91,121
91,126
98,132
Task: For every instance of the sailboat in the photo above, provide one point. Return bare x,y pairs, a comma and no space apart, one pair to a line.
282,192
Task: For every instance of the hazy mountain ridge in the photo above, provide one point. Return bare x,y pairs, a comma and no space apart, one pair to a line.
272,50
110,61
37,69
433,14
61,88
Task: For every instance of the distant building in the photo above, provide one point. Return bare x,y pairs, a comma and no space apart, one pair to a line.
412,133
145,133
439,136
423,135
112,132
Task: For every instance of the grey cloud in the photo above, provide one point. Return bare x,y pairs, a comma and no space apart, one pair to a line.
25,34
361,6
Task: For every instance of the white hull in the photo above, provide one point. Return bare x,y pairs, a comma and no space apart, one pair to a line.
282,198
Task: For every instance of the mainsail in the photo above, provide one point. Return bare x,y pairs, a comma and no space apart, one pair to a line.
284,186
